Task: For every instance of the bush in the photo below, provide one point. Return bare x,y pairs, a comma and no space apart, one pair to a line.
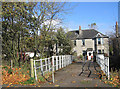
114,79
80,57
14,75
29,81
75,60
105,54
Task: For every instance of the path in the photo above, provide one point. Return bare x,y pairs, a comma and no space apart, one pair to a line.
69,77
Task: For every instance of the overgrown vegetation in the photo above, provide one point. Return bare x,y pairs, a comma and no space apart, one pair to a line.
114,49
114,79
21,76
29,27
14,75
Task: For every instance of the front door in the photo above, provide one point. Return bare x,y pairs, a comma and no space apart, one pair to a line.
89,55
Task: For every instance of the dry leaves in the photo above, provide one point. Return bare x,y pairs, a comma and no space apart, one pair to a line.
15,77
114,80
73,81
57,85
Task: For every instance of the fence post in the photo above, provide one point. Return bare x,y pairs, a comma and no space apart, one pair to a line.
71,59
108,70
46,63
62,61
56,62
53,68
41,67
32,70
49,63
53,63
11,63
65,60
35,71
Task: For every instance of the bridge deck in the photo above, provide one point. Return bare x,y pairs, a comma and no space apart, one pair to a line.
69,76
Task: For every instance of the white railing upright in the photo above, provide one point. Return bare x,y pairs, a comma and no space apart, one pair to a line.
53,64
104,63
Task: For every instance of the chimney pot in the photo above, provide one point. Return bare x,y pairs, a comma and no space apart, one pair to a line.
79,27
80,31
116,23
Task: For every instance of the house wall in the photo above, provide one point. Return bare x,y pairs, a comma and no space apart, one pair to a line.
90,43
104,46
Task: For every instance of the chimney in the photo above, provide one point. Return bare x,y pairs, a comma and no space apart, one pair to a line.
80,30
116,29
79,27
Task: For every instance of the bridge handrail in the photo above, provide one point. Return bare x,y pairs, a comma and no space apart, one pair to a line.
104,64
53,63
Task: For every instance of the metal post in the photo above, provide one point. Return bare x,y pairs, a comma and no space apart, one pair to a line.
32,70
46,63
35,71
41,67
11,63
53,68
56,62
108,70
49,64
60,62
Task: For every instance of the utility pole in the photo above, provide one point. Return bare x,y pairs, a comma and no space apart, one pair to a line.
117,38
118,44
117,34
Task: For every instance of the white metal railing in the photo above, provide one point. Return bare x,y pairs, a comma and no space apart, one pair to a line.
53,63
104,63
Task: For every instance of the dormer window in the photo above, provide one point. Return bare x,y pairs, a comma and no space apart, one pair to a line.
99,41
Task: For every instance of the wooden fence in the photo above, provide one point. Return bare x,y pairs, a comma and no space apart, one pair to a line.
52,64
104,63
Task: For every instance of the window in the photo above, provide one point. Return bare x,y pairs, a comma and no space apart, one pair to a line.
99,41
74,42
83,42
103,51
84,53
99,51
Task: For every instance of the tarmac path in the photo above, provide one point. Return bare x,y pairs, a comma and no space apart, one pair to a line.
79,74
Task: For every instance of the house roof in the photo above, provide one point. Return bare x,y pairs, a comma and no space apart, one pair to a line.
85,34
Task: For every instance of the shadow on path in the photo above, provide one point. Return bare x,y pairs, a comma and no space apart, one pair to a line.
78,74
